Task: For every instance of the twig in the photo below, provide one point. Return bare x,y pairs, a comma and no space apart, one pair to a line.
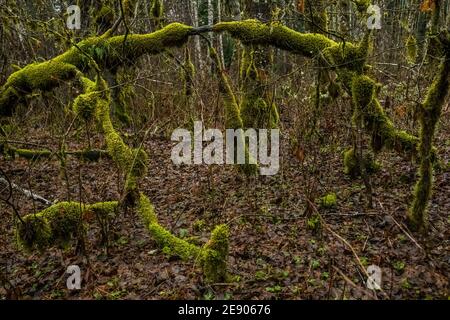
26,192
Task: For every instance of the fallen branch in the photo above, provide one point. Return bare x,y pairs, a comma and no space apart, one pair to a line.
26,192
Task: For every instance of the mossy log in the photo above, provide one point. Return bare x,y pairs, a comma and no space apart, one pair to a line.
212,256
58,224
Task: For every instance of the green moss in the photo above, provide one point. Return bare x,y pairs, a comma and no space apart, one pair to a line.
254,32
233,119
411,49
377,122
212,256
58,224
215,255
329,201
53,226
31,154
257,111
157,9
106,52
362,5
429,118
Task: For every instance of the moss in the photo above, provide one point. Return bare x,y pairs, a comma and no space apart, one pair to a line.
157,9
329,201
254,32
212,256
53,226
85,104
429,117
106,51
215,255
257,111
36,76
377,122
58,224
173,245
233,119
188,75
348,56
31,154
362,5
411,49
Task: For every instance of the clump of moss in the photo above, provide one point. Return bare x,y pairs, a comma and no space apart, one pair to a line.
329,201
58,224
53,226
215,255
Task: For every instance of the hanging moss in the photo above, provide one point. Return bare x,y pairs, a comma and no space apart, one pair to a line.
411,49
256,110
429,118
233,118
377,122
58,224
188,74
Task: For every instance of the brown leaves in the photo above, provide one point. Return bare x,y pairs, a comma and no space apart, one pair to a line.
428,6
301,6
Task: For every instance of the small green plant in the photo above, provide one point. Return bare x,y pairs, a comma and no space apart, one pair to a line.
313,223
274,289
399,266
329,201
315,264
261,275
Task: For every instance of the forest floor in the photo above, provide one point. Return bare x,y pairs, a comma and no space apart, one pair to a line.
273,254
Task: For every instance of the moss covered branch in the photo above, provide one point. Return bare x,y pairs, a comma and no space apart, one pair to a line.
212,256
430,114
58,224
108,52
